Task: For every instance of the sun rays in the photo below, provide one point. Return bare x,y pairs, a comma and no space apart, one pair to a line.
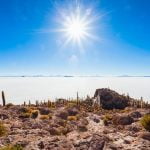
76,26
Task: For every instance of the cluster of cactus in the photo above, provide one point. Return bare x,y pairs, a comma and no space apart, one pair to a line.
82,104
86,104
138,103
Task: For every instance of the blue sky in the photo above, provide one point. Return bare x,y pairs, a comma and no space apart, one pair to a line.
122,27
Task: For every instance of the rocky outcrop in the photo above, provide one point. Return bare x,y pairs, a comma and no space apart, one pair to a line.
110,99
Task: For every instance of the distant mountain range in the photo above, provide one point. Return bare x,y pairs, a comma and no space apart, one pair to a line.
67,76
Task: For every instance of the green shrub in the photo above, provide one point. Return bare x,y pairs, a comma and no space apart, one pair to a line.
145,121
3,130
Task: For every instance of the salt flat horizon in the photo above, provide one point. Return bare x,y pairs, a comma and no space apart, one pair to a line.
18,89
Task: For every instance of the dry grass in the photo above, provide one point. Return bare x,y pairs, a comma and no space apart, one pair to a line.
44,117
72,118
3,129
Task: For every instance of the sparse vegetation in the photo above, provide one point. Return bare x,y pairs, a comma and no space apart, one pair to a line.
15,147
145,121
72,118
106,119
25,115
3,129
44,117
9,105
64,121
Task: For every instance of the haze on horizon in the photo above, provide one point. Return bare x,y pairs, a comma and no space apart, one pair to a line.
75,37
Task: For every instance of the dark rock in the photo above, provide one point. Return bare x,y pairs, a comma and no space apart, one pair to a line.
41,145
23,110
36,125
54,131
145,136
84,121
73,111
95,119
127,142
22,143
62,115
34,114
122,120
83,146
4,116
110,99
24,116
97,142
136,114
82,125
61,122
82,128
113,147
44,111
133,128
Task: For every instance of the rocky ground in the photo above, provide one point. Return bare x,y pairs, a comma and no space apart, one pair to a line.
71,128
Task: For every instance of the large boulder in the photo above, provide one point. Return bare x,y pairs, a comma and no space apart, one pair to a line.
110,99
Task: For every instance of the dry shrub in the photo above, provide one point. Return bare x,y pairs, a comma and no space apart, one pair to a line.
72,118
3,130
44,117
10,147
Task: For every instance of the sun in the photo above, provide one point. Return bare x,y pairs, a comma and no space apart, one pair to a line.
75,28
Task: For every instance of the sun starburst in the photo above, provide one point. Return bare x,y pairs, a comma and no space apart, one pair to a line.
77,26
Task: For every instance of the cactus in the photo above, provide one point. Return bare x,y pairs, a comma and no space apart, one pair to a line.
77,99
29,103
37,103
3,98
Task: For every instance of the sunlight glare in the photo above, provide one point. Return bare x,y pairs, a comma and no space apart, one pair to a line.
77,26
76,29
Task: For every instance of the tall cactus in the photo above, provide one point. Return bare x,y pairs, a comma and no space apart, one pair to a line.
29,103
77,98
24,104
3,98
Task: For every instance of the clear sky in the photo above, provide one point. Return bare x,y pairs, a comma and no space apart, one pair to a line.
119,41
